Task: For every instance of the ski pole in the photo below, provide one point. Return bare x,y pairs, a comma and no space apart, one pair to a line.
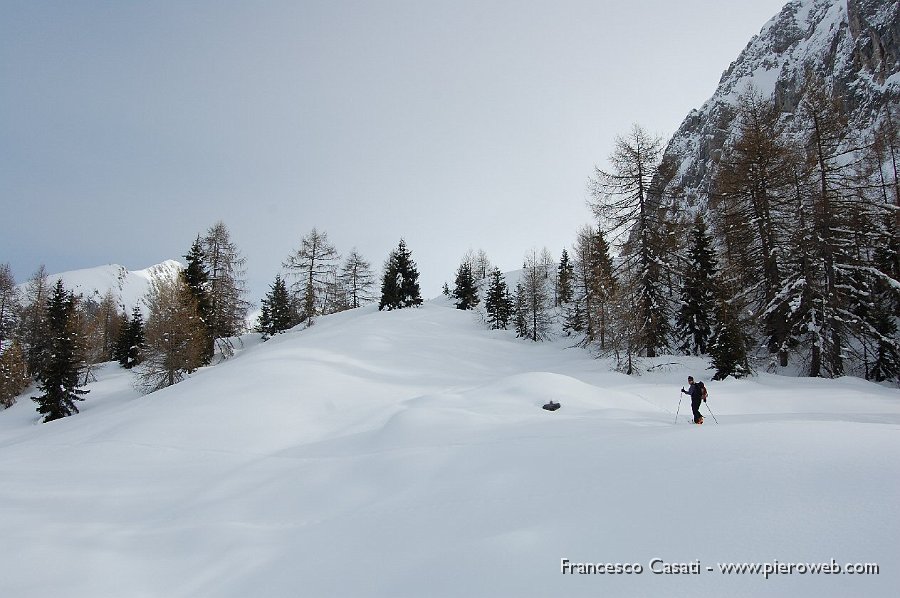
711,413
679,408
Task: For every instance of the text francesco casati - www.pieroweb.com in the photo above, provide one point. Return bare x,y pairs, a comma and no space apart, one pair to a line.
659,566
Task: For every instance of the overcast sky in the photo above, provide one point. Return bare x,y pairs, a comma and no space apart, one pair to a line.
130,127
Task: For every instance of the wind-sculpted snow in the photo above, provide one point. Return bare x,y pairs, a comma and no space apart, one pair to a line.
407,454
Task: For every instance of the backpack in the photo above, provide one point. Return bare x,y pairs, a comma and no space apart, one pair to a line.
703,393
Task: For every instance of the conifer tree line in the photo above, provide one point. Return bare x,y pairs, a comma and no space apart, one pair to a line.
55,339
791,260
324,283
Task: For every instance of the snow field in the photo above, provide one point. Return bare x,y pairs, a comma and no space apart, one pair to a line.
406,454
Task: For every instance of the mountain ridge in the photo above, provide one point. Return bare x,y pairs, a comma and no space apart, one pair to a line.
853,44
129,287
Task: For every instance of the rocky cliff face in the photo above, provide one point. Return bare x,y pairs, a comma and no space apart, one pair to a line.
853,44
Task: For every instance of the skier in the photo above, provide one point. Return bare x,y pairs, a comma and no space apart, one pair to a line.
695,390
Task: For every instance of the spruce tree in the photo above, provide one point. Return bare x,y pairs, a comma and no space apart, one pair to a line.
573,319
695,318
466,290
410,293
728,348
196,276
400,282
123,341
497,302
565,280
134,339
390,284
60,375
521,312
278,312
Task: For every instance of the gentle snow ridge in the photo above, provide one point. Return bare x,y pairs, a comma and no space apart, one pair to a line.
406,454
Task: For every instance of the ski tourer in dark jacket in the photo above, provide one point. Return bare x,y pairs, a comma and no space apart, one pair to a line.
695,390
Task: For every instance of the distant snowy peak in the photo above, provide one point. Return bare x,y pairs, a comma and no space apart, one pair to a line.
128,287
167,269
853,44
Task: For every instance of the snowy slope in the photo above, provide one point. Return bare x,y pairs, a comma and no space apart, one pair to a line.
128,287
405,454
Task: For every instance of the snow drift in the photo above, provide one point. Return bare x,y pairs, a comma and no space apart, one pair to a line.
406,454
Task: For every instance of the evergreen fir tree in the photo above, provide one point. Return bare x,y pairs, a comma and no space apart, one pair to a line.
410,293
565,283
60,375
264,323
695,318
390,284
728,347
278,312
521,312
400,282
466,291
574,319
196,276
497,302
123,342
135,332
446,290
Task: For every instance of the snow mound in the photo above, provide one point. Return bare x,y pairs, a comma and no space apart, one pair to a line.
406,454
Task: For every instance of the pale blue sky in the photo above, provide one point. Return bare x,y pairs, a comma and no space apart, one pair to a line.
130,127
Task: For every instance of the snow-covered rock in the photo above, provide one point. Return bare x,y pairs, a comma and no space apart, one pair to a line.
853,44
